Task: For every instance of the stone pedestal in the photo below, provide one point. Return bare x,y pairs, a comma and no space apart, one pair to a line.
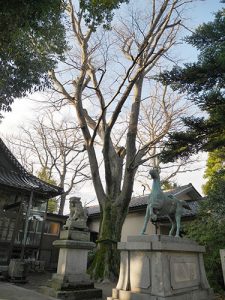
160,267
71,280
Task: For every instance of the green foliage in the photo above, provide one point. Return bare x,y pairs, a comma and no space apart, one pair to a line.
209,232
215,162
216,203
32,37
168,185
204,81
44,175
97,12
209,229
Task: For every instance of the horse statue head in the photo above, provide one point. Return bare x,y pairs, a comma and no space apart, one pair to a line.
154,173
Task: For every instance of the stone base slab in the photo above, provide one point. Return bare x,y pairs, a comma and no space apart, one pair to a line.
77,235
68,282
80,294
193,295
71,244
157,242
73,224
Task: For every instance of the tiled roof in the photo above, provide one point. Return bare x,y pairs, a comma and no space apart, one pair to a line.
93,210
194,206
21,179
141,202
11,157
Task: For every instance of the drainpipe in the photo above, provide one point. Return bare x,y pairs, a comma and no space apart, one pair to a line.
26,225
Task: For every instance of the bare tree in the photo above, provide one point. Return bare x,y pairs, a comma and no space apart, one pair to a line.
107,75
161,113
53,146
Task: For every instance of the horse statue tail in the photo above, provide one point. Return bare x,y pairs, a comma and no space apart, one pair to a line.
185,205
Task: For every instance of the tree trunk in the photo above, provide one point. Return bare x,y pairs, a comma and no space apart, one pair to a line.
106,262
62,204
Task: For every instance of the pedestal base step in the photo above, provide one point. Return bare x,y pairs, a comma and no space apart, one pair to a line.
192,295
94,294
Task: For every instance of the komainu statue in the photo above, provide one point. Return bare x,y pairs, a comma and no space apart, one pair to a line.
161,204
78,215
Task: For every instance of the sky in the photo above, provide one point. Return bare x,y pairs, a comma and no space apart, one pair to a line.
23,109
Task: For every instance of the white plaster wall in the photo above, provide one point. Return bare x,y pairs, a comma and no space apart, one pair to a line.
133,225
93,225
184,197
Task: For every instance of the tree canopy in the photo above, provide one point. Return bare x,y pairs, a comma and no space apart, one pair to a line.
98,12
32,37
204,83
208,229
215,163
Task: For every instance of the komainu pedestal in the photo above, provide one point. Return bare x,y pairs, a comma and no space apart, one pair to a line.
71,282
159,267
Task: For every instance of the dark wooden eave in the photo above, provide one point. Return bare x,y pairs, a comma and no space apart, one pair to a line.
16,177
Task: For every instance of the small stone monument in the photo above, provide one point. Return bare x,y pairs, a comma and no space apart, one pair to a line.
78,217
71,280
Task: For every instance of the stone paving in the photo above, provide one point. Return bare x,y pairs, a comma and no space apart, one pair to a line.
29,290
9,291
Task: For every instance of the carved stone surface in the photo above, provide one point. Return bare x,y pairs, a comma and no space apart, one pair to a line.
161,267
140,272
76,235
70,244
78,215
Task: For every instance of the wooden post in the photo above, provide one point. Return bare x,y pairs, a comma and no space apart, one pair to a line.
15,231
42,232
26,225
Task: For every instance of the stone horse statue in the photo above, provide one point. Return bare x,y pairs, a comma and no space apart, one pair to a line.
160,204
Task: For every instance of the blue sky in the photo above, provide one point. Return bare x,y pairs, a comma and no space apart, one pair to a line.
203,9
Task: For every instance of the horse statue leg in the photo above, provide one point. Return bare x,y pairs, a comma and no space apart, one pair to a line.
178,217
172,227
147,217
